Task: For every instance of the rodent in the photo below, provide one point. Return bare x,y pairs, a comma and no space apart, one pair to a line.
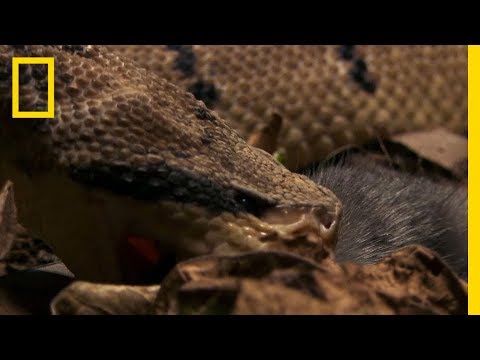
385,209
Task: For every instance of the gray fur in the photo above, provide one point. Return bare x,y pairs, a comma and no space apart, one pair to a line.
385,210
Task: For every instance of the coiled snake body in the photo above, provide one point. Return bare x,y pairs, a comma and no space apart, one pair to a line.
130,153
328,96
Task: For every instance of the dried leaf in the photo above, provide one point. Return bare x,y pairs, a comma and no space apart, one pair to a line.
446,149
8,219
412,280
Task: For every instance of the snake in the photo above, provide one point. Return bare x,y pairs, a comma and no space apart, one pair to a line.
328,96
152,142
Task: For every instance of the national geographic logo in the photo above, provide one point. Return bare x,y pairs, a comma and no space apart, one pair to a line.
16,62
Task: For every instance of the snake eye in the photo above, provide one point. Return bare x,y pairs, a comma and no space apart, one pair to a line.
251,204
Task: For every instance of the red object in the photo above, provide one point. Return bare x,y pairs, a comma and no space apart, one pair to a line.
145,248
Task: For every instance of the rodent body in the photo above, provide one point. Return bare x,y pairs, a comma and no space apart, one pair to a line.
385,209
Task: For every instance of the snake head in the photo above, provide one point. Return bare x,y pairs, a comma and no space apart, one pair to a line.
129,153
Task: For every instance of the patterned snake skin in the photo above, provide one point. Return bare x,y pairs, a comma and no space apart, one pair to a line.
328,96
130,153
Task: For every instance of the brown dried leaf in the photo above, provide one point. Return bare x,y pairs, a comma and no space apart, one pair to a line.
8,219
446,149
412,280
99,299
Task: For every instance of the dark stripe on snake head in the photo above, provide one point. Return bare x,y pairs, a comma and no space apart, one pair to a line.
162,182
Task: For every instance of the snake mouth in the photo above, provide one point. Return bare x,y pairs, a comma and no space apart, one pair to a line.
307,231
298,221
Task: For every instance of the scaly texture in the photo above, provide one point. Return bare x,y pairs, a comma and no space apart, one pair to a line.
128,152
328,96
109,113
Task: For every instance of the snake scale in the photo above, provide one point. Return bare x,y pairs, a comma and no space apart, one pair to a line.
133,151
328,96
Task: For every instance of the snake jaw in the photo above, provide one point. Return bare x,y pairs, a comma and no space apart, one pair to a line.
308,231
305,230
128,153
294,219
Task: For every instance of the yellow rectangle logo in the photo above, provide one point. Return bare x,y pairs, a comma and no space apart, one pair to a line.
473,179
16,62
